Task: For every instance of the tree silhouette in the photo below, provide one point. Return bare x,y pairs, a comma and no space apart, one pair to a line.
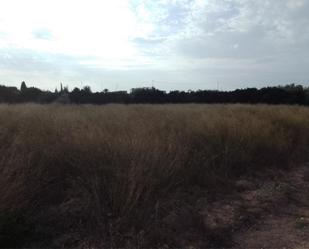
87,89
23,87
288,94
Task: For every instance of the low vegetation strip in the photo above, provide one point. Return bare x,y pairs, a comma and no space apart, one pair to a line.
288,94
134,175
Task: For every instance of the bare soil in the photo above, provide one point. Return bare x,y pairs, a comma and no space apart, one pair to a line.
270,211
282,211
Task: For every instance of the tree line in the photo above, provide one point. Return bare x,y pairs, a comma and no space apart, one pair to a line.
288,94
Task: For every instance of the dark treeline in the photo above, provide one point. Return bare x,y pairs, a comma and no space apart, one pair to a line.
289,94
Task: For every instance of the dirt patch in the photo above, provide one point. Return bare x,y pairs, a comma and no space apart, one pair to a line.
286,225
261,212
274,232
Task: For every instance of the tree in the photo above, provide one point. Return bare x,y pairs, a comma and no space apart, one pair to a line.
87,89
23,86
65,89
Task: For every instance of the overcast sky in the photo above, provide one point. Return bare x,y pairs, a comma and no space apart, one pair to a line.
168,44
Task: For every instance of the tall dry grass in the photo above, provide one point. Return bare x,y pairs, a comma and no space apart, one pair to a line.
105,169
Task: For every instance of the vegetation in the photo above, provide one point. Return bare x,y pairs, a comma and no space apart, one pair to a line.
117,174
289,94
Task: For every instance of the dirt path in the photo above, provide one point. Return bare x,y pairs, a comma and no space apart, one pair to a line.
282,208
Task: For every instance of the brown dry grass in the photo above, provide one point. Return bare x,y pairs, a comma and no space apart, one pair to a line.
104,169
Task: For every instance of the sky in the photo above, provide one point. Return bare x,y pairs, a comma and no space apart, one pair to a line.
167,44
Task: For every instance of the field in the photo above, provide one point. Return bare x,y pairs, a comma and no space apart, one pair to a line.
143,175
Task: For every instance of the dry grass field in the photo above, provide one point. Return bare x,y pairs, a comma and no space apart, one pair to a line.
135,175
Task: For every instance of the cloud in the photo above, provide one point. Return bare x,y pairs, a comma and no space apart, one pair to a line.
148,41
260,28
193,42
42,33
